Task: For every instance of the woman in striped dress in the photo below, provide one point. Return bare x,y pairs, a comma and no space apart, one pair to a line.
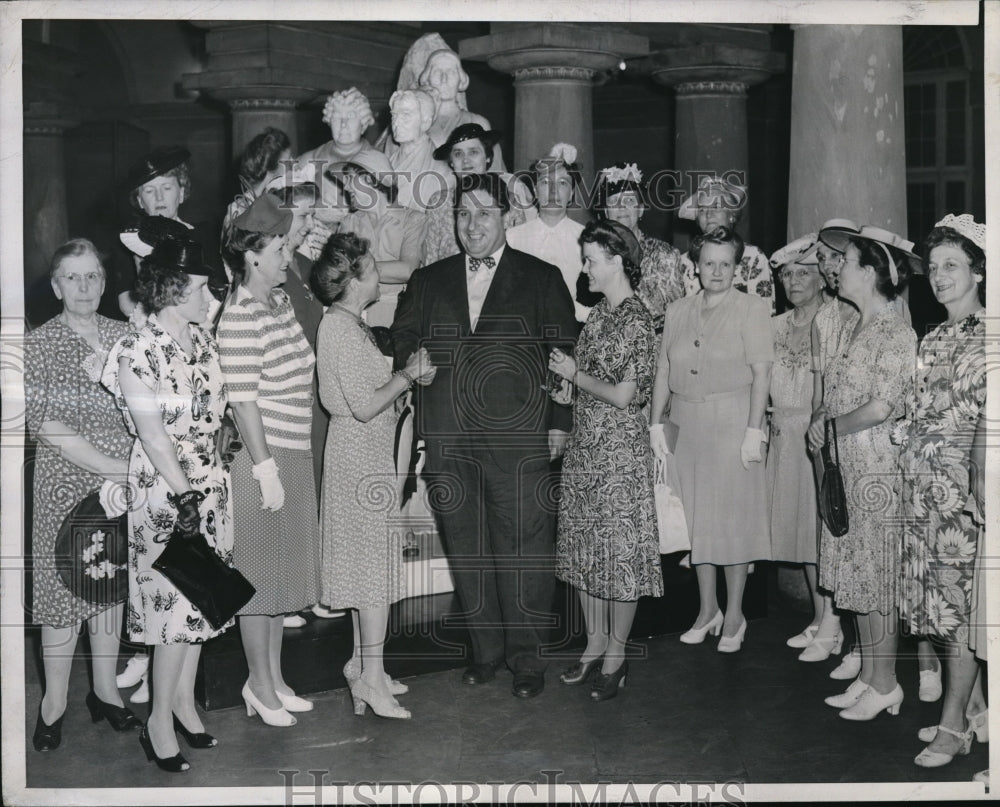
269,366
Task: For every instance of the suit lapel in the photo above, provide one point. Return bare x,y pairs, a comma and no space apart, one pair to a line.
456,292
500,288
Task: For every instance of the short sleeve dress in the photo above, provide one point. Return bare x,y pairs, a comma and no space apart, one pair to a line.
62,375
710,379
191,397
362,554
607,542
267,360
661,282
939,535
791,489
861,568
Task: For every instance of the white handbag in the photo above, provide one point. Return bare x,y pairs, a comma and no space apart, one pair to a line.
670,517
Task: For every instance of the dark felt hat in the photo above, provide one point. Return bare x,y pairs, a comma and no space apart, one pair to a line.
467,131
91,552
265,216
150,230
156,163
182,254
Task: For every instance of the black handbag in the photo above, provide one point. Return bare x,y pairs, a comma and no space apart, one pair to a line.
215,589
91,552
832,496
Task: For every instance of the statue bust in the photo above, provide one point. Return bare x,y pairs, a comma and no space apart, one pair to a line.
411,151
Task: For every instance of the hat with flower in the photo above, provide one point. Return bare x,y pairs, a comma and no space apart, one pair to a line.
620,178
802,250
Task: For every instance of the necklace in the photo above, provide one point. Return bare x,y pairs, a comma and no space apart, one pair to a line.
361,323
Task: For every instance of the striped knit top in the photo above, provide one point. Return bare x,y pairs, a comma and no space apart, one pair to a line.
267,359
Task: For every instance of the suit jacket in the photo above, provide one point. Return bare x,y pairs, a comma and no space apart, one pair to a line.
488,387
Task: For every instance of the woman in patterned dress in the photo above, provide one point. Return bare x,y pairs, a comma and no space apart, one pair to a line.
719,202
167,381
362,563
607,545
714,369
82,445
791,491
939,534
268,367
865,385
622,198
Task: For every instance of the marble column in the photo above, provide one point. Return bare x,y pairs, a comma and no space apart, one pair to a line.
250,116
847,137
553,66
710,83
45,214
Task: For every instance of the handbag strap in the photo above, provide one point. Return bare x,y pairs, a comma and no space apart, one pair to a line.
831,425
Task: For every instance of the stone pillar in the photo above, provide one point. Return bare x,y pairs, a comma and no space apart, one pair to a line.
553,66
847,138
45,214
252,115
710,82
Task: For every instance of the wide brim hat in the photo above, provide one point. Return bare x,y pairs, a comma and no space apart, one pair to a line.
374,162
835,232
149,231
156,163
895,245
467,131
91,553
181,254
802,250
733,194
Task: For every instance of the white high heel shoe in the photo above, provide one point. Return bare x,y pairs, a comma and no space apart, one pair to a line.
803,639
936,759
822,649
930,685
848,697
732,644
872,702
293,703
352,672
849,667
979,724
273,717
697,635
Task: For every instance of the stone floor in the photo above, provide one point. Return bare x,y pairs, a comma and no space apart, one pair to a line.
687,714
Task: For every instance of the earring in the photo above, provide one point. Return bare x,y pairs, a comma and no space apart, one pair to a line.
256,263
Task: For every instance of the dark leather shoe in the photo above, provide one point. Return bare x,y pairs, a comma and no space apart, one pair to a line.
120,718
528,684
47,737
481,672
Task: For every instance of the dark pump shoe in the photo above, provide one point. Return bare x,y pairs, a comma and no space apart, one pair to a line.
46,737
119,717
528,684
481,672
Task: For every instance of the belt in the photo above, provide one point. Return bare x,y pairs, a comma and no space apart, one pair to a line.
713,396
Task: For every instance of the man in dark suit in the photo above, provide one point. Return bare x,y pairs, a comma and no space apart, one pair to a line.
489,318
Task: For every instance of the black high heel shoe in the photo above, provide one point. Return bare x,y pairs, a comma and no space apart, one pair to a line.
606,687
47,737
120,718
174,764
195,739
580,673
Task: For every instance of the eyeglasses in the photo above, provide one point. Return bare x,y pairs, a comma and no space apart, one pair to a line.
76,280
794,274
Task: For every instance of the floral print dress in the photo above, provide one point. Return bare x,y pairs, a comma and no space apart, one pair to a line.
191,397
939,535
661,281
608,543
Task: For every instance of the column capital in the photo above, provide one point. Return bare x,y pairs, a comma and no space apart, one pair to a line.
553,51
263,103
713,64
702,88
49,119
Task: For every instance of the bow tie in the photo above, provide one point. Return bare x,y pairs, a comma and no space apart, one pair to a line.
488,262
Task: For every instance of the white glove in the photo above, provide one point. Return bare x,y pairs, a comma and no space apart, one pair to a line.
658,441
750,450
272,493
114,498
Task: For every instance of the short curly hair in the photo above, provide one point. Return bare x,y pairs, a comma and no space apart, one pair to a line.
237,244
946,236
73,249
720,235
261,155
608,237
339,261
180,173
158,286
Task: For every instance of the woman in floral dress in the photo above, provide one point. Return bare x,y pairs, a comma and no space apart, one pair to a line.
607,544
622,198
865,386
791,491
167,380
939,534
82,445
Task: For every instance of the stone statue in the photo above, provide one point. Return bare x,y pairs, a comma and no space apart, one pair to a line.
419,177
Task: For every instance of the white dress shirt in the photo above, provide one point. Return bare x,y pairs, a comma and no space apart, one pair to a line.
477,284
556,245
